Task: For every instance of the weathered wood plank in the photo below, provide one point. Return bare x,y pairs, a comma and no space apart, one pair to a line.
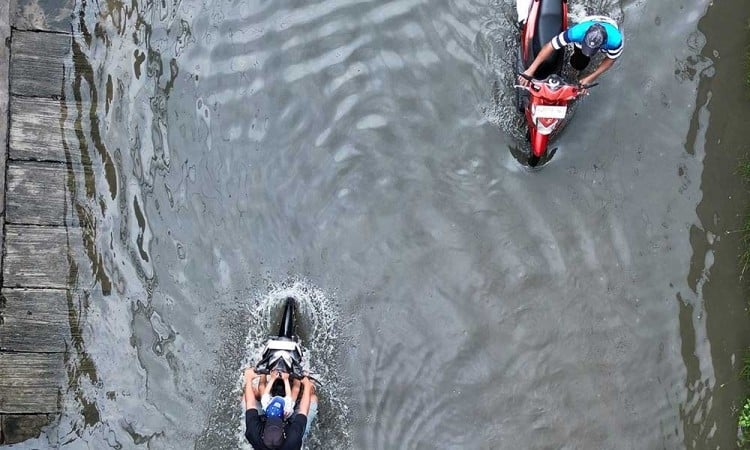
36,130
38,256
36,194
48,15
20,427
4,64
4,104
30,382
38,61
34,320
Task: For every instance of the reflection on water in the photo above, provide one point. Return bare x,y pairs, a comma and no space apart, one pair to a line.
362,147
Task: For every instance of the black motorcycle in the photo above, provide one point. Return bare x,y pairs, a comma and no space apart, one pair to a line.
283,351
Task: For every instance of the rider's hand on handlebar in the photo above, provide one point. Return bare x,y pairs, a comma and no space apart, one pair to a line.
524,79
585,84
284,376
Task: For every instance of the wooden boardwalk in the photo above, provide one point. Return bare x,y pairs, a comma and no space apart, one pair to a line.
36,302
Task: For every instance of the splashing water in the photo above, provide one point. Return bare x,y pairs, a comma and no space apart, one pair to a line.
321,339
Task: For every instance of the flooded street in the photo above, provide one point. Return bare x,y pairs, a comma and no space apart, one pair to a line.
357,155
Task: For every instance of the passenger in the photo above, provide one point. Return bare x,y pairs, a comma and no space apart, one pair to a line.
270,431
594,34
271,388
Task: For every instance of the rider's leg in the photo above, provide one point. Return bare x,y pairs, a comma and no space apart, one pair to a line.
250,393
311,415
296,385
578,60
260,387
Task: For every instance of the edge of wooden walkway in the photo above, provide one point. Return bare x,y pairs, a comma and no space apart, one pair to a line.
36,240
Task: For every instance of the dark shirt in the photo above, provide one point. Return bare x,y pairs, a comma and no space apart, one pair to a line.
294,430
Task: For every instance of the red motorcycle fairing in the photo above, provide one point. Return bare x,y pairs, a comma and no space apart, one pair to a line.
551,94
546,19
552,91
539,143
527,33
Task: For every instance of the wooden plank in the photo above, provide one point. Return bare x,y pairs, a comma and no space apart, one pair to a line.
30,382
38,256
36,194
4,64
35,320
4,105
37,63
36,131
48,15
20,427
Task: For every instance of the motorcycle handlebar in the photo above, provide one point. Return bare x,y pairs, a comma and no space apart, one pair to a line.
294,376
523,75
528,78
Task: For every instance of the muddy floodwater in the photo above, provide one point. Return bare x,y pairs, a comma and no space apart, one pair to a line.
357,154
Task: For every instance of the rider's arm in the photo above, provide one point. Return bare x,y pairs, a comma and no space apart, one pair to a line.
265,398
546,51
603,67
287,388
249,394
269,384
549,49
288,400
295,389
307,393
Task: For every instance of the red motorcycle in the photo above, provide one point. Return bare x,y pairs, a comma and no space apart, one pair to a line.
549,94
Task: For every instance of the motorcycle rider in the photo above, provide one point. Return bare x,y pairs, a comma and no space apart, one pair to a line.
270,431
593,34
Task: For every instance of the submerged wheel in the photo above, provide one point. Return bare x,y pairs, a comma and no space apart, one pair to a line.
533,160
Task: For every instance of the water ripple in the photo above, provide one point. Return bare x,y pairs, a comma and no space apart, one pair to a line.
363,146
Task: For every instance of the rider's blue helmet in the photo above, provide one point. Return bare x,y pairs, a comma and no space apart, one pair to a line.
594,39
275,407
